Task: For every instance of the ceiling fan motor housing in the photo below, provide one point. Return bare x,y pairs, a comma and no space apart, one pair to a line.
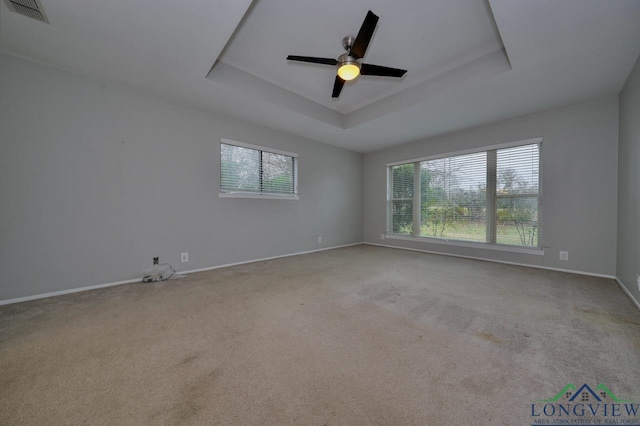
347,42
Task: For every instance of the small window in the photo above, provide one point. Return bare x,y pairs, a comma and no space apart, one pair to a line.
251,171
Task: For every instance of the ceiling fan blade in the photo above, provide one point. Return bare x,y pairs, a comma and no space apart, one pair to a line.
364,35
368,69
313,60
337,87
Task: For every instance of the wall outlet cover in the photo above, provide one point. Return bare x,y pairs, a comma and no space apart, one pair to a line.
564,255
319,240
382,236
184,257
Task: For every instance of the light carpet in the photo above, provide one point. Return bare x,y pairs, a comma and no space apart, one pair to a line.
353,336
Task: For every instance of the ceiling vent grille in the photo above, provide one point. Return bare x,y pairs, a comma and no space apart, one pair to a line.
30,8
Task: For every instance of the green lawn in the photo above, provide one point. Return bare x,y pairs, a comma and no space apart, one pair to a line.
473,231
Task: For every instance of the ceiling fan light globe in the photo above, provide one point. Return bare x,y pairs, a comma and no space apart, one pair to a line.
348,72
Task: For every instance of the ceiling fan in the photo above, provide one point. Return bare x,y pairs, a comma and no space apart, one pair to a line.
347,65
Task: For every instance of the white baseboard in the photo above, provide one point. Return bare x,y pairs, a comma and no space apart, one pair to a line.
226,265
592,274
628,293
135,280
62,292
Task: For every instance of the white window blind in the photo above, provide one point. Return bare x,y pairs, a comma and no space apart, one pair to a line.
517,195
453,197
240,169
402,198
254,171
490,196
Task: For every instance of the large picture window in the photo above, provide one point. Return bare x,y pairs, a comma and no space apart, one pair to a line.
491,196
252,171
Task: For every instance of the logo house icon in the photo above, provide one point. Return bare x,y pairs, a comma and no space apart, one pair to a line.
585,394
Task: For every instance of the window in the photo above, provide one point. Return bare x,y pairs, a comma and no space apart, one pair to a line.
491,196
402,199
252,171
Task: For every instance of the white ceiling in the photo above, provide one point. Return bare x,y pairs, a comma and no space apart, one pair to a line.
469,61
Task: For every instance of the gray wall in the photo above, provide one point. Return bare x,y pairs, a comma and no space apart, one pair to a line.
629,184
579,184
96,180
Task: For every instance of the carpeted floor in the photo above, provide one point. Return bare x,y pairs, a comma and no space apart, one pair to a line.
354,336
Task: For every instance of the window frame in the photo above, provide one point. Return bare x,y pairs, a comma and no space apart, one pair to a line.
492,198
258,195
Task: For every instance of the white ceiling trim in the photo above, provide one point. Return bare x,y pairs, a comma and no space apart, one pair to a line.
489,65
238,79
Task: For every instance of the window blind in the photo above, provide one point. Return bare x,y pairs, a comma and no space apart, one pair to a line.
256,171
453,197
402,198
240,169
277,173
517,195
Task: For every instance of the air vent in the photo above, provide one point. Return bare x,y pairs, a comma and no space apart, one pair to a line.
30,8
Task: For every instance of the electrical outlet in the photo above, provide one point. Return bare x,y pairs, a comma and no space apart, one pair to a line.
564,255
319,240
638,281
184,257
156,260
382,236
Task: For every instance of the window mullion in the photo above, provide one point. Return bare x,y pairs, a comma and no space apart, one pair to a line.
491,195
260,173
389,229
293,175
417,220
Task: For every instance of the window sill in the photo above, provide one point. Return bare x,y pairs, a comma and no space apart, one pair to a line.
511,249
257,196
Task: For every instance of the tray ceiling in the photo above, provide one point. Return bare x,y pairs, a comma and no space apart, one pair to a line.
469,62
